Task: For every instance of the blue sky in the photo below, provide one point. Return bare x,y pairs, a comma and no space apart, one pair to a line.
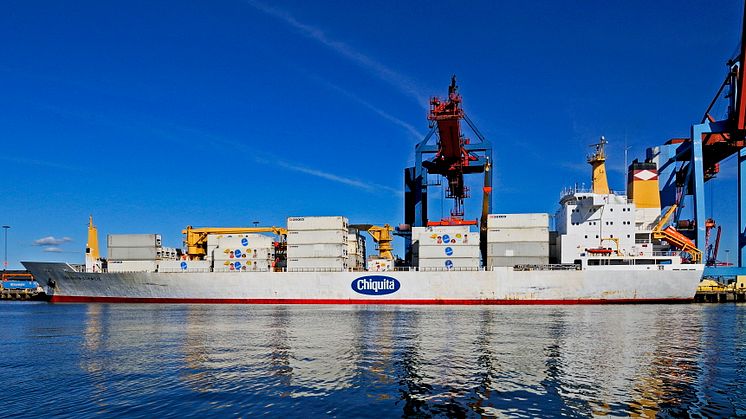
155,115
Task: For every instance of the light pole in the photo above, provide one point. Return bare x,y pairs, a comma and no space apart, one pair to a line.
5,260
727,258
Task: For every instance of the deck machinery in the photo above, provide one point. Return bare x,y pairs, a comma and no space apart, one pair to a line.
446,152
685,164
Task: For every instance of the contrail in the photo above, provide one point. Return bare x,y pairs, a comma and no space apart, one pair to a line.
385,115
357,183
399,81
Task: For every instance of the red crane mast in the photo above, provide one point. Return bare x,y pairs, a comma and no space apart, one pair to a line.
452,159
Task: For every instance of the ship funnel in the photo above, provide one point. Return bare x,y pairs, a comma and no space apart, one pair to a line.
642,189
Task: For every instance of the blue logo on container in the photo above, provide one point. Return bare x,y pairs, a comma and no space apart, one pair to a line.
449,251
375,285
237,265
244,242
446,238
183,265
449,264
237,253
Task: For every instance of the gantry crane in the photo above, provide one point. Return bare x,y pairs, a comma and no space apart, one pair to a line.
685,164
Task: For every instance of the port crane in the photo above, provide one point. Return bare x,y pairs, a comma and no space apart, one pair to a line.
446,152
685,164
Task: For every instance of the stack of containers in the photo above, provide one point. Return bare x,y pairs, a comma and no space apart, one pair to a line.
356,251
241,252
445,248
133,252
317,243
517,239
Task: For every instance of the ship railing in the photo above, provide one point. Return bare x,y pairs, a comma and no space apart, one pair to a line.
632,254
548,267
454,269
77,267
179,270
317,270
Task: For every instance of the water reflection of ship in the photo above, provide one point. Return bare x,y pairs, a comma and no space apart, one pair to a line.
195,375
667,382
92,360
279,342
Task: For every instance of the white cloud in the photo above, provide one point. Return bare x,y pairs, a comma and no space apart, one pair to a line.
51,241
53,249
383,72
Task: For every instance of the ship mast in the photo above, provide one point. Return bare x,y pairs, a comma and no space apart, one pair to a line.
597,160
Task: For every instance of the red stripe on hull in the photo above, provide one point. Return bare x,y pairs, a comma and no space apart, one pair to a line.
80,299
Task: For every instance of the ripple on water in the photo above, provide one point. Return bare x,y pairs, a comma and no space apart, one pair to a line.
173,360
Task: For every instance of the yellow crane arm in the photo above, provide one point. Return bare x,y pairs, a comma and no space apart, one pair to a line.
664,219
382,236
196,238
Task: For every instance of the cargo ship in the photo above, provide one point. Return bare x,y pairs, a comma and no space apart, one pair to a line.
602,247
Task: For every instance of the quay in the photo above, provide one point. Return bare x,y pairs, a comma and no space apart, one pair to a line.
718,290
19,285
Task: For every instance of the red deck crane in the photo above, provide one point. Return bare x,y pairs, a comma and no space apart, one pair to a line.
452,159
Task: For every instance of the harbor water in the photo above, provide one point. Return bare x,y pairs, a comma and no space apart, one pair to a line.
82,360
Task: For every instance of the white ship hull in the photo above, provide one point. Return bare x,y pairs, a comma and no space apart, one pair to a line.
607,284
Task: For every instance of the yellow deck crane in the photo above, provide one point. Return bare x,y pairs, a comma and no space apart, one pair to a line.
382,236
195,239
675,238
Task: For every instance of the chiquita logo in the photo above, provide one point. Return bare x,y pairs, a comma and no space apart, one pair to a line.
376,285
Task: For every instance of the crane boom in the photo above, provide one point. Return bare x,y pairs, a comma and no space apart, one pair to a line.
674,237
196,238
452,159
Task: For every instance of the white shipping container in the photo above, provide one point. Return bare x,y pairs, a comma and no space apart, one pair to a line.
463,263
356,262
331,263
502,235
440,230
317,237
133,240
132,253
132,265
380,265
210,250
512,261
451,238
446,251
183,266
239,240
317,250
529,220
242,266
166,253
518,249
317,223
242,253
353,247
